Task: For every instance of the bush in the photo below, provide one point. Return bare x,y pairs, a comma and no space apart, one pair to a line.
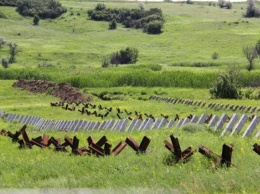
252,10
225,4
100,7
130,18
226,85
5,63
124,56
154,27
221,3
105,63
112,25
44,8
11,3
215,56
189,2
36,20
128,56
115,58
229,5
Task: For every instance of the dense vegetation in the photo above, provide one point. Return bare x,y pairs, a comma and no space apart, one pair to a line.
151,21
252,9
124,56
44,8
12,3
227,85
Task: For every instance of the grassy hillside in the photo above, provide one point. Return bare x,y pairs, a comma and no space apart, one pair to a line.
192,33
128,172
176,64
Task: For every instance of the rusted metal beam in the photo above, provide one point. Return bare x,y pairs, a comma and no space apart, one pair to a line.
74,144
3,132
38,142
102,141
135,146
256,148
107,148
46,140
144,144
226,154
57,145
169,146
26,141
218,160
15,137
187,153
97,150
175,149
119,148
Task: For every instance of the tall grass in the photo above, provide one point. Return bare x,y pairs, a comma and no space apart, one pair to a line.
127,77
43,168
31,74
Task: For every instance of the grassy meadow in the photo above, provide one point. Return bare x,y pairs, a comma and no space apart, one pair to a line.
43,168
192,33
128,172
177,63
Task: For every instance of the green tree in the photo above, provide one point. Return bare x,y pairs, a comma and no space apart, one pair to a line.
252,10
251,54
5,63
43,8
154,27
129,55
36,20
12,51
226,84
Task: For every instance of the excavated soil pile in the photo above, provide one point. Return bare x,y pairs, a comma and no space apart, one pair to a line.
63,91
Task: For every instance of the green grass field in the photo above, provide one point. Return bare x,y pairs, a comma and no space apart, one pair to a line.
192,33
176,64
43,168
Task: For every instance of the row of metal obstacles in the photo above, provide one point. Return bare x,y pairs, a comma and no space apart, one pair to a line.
103,148
100,148
75,125
210,105
230,126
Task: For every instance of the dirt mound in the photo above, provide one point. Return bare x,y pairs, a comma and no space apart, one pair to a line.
63,91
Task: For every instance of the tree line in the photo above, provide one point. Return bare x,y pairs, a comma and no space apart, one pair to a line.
12,3
151,21
43,8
